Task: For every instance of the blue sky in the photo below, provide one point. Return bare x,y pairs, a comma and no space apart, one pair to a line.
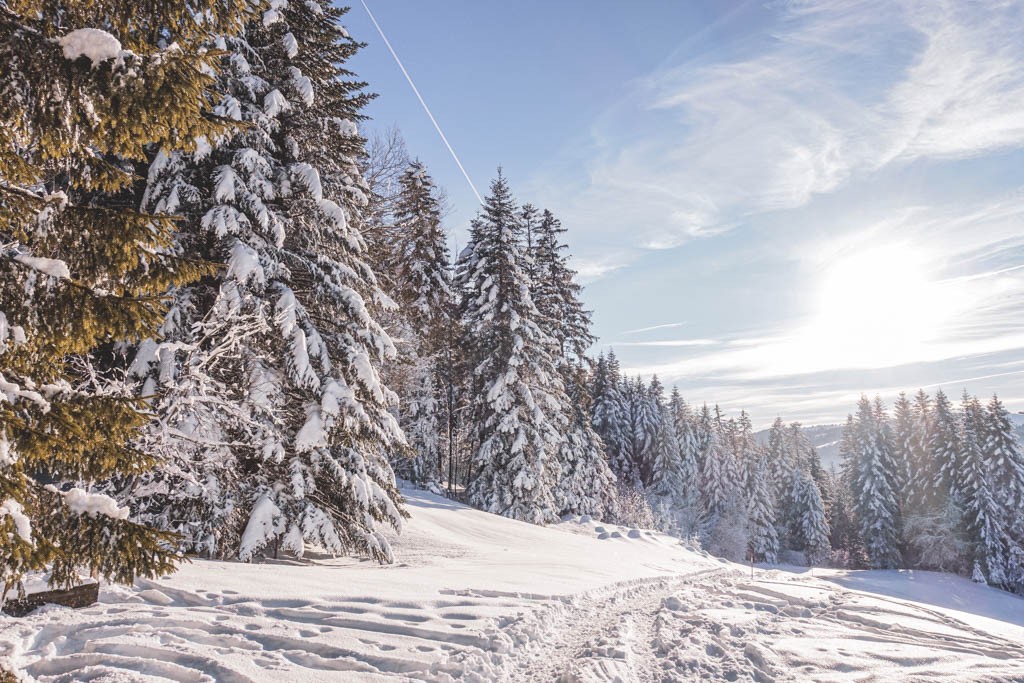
774,205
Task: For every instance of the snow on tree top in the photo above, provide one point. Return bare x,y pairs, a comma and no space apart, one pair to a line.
94,43
48,266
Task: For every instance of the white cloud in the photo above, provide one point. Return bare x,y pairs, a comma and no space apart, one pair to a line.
841,89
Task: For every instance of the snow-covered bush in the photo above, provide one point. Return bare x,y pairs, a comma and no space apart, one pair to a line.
632,508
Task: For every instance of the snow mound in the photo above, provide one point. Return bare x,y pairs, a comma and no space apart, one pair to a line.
94,43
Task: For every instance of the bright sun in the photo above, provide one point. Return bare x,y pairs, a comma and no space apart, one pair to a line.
875,306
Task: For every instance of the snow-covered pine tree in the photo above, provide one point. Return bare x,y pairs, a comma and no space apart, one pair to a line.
587,484
986,520
779,463
516,405
674,491
932,523
764,541
821,478
1005,457
635,443
723,504
608,411
904,443
86,89
871,473
529,217
779,469
423,288
845,536
920,488
746,449
651,424
555,291
667,475
278,201
813,531
945,450
886,447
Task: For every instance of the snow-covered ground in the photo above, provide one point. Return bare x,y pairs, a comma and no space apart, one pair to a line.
476,597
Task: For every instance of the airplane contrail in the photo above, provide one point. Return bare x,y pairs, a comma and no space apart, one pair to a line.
416,90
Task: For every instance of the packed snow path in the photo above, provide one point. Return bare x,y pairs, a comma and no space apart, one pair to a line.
474,597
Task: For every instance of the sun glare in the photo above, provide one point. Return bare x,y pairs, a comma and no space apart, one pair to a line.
876,306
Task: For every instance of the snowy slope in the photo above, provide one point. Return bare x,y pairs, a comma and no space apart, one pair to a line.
479,598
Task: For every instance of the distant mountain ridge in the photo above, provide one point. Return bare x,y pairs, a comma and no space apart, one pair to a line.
826,438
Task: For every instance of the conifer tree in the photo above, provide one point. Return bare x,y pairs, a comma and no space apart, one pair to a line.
1005,457
845,536
587,484
985,518
586,480
779,463
922,470
555,291
529,218
872,477
607,412
516,394
945,450
813,530
722,500
637,440
81,270
904,443
423,288
278,201
764,541
675,476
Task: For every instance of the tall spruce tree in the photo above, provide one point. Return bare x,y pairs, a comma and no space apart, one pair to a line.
722,501
764,541
812,529
423,288
675,478
81,270
586,480
608,411
904,442
779,463
516,394
638,436
872,476
986,519
278,202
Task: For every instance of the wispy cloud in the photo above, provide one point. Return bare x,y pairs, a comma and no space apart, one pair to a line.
670,343
839,90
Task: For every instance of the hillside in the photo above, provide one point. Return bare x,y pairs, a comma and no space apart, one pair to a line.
477,597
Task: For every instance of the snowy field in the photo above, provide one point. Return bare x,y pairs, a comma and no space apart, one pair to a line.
476,597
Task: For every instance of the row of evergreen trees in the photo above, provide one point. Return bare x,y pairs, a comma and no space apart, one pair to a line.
707,477
492,386
938,488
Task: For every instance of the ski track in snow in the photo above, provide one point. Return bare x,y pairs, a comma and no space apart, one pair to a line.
477,598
